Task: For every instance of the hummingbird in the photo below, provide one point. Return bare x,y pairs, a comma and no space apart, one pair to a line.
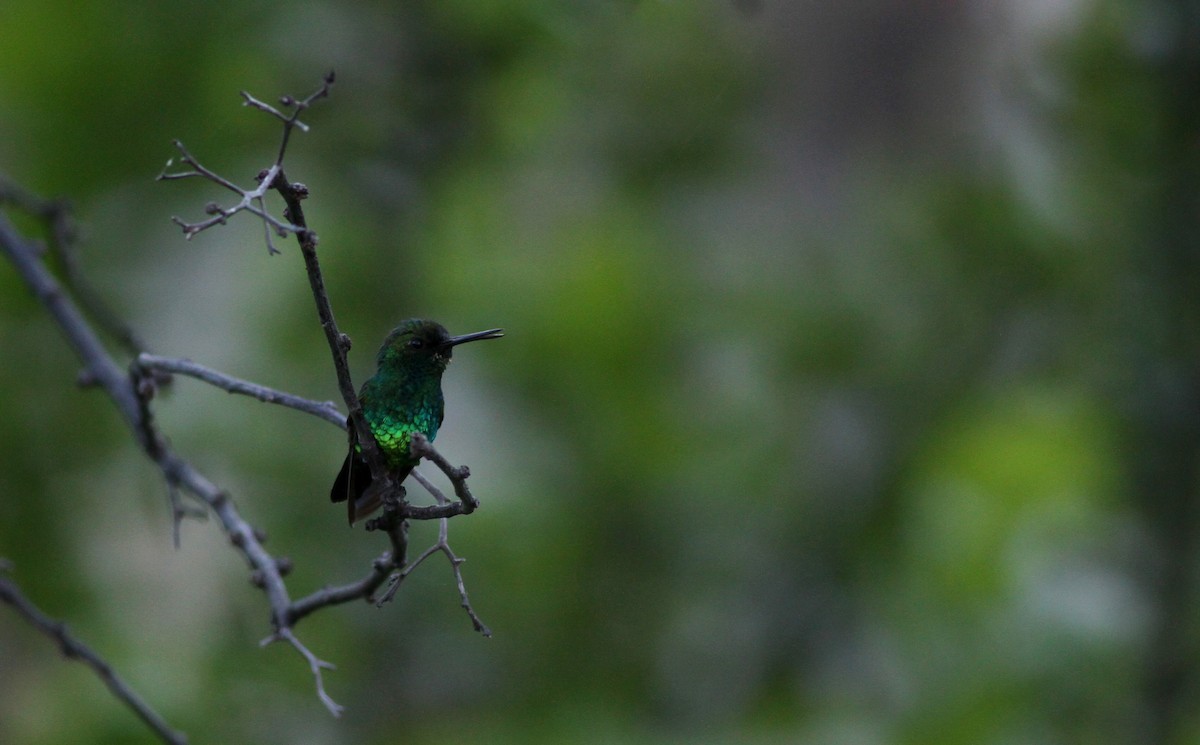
402,397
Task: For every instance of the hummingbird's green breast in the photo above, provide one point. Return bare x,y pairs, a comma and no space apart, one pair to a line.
395,407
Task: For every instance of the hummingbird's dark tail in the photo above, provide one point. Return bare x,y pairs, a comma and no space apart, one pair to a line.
357,487
351,482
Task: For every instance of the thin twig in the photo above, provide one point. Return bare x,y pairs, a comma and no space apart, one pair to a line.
179,511
315,664
291,121
74,649
326,410
251,199
98,365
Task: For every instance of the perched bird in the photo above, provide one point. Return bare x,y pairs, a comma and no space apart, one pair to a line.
403,396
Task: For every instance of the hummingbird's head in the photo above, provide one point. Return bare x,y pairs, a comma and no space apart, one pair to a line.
418,343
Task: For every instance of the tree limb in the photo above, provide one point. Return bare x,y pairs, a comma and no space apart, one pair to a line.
123,389
322,409
61,233
74,649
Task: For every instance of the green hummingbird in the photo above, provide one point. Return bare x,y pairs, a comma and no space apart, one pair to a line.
402,397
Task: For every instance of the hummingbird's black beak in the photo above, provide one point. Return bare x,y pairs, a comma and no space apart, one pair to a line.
454,341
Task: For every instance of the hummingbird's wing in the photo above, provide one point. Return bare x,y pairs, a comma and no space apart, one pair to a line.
353,479
351,483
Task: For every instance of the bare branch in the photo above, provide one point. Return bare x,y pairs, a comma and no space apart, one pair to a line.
315,664
326,410
98,366
74,649
253,102
251,199
458,475
362,589
62,235
125,391
197,170
291,121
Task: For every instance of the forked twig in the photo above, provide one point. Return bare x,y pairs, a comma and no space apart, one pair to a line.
443,542
251,199
315,664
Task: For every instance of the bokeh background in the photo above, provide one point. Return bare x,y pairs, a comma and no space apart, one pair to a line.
850,391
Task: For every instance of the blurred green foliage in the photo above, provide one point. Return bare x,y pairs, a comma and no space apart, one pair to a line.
849,392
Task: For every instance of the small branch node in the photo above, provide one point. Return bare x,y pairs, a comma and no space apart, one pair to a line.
86,378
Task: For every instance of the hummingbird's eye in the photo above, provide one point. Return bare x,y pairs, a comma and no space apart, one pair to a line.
415,343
